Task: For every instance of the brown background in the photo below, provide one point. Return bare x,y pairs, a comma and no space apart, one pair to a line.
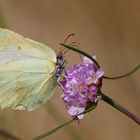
111,30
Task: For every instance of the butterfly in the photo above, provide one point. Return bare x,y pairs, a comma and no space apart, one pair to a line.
29,71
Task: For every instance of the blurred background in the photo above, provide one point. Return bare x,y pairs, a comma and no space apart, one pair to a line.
108,29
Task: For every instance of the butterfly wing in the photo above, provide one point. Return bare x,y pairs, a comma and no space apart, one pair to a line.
13,46
26,72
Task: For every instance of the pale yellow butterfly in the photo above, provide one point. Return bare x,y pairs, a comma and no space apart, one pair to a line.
29,71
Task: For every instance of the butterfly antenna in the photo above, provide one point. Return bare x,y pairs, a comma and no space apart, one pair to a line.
68,37
62,48
74,44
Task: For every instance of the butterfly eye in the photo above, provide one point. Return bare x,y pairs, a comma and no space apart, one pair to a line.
60,57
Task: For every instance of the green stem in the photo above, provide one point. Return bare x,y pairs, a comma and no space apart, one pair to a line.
53,131
120,108
58,117
123,76
97,65
81,52
7,135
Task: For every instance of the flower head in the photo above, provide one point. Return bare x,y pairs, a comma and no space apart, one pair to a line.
80,87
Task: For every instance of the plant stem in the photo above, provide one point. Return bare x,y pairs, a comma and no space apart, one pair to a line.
58,117
7,135
119,107
123,76
53,131
81,52
97,65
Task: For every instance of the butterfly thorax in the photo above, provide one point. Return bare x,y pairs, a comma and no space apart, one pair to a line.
60,65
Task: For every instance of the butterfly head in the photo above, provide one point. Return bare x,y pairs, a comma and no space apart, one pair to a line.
60,63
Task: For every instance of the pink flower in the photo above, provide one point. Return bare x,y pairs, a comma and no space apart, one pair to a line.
80,87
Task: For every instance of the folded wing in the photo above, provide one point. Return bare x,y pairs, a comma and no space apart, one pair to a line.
26,72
